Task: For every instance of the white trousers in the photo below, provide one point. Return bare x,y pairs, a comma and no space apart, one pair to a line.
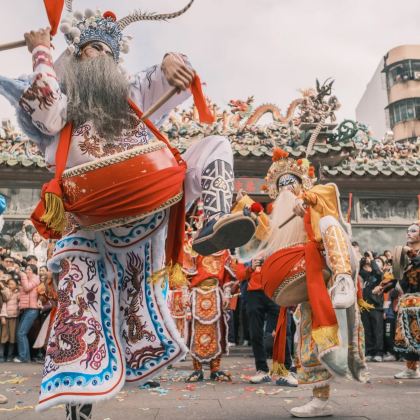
198,156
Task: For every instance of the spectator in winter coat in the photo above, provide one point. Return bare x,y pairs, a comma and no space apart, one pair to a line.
9,317
28,304
373,320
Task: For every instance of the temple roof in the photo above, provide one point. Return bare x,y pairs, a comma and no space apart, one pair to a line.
345,149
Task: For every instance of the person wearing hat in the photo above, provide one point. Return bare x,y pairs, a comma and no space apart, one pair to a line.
309,245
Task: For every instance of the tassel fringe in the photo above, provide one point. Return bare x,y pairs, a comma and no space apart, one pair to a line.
326,337
364,306
177,277
54,216
279,369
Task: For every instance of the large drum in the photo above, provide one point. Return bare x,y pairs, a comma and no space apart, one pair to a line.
109,182
290,290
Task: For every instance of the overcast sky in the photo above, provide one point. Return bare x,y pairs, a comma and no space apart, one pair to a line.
265,48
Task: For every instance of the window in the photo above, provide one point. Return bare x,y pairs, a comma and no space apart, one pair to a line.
405,110
403,71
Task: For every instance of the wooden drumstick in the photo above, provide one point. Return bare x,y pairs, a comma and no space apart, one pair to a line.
11,45
287,220
165,98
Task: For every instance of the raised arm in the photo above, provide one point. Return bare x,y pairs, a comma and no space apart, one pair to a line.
149,85
43,100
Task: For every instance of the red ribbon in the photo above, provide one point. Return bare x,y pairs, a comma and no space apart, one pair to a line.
54,9
206,116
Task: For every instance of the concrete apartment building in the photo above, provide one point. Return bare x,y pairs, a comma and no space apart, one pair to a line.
392,98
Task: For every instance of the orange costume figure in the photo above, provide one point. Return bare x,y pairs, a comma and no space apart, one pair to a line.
308,262
210,297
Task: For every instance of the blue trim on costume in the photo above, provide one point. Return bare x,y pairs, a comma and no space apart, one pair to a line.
169,346
72,379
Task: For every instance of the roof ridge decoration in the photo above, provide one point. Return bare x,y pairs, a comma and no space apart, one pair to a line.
347,149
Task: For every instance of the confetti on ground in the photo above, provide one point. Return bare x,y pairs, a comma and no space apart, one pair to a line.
159,391
14,381
18,408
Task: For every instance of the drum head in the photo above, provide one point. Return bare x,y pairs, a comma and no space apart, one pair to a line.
399,261
293,290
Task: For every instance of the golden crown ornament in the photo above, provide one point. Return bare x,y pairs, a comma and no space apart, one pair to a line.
283,165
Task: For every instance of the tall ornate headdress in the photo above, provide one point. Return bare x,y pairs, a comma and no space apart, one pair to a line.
283,165
81,28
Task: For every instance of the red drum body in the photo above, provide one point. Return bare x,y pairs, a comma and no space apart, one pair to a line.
94,179
291,290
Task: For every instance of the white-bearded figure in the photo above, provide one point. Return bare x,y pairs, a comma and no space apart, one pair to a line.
308,262
116,204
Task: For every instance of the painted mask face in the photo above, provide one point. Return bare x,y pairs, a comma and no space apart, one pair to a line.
413,234
289,182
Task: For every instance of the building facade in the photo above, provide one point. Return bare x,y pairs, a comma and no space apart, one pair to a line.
371,108
402,71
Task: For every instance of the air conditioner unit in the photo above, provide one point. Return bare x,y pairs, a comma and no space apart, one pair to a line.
417,75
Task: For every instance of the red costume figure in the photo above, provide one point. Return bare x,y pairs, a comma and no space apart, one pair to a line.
210,296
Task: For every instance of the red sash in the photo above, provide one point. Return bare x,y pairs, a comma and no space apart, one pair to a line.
155,189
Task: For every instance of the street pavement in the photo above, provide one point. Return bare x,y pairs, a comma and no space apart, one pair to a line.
382,399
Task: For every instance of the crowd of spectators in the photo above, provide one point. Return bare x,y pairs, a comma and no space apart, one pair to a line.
27,296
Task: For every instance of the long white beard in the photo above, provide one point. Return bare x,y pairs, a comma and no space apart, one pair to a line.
291,234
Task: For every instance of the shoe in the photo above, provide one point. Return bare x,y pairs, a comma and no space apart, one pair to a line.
289,380
231,344
227,231
78,411
220,376
246,343
196,376
408,374
17,360
260,377
10,352
151,384
314,408
343,293
378,359
389,358
3,399
369,358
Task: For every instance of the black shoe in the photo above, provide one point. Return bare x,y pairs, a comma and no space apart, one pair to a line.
78,411
151,384
196,376
225,232
220,376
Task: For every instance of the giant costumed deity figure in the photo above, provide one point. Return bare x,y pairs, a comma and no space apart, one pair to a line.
308,261
116,204
406,268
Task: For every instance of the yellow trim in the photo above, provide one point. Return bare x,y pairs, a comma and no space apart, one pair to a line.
326,337
279,369
364,306
54,216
